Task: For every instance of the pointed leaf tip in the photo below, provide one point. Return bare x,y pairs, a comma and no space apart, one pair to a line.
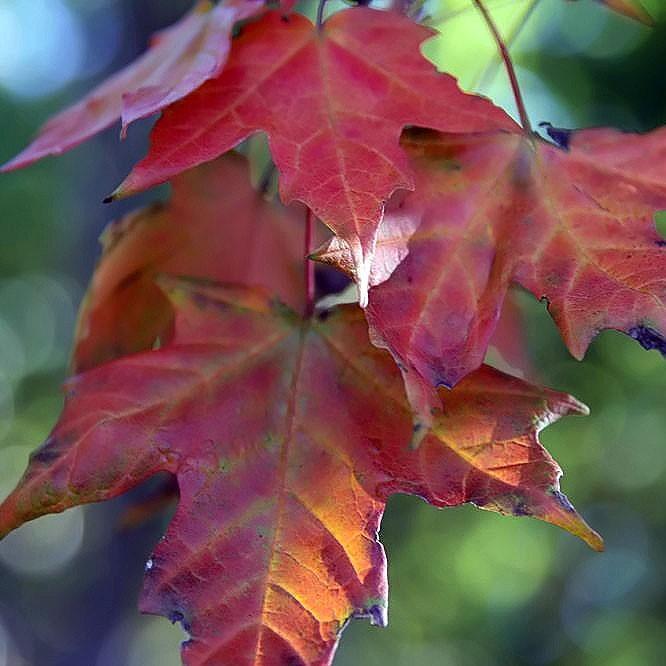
564,515
578,407
121,192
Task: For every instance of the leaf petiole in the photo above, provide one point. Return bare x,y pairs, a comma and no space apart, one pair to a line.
508,64
320,13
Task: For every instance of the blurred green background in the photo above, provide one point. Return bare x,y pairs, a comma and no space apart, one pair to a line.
468,588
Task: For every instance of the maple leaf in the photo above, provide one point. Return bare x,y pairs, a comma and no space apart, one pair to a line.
178,61
216,226
572,224
274,543
333,100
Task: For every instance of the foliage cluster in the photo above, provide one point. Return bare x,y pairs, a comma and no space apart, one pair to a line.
203,351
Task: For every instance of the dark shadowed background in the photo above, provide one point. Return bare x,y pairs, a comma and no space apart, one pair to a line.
468,588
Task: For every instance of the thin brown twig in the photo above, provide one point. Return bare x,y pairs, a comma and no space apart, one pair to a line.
447,15
488,75
508,64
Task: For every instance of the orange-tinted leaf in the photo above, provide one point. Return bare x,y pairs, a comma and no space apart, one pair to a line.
575,227
179,60
274,542
333,102
216,227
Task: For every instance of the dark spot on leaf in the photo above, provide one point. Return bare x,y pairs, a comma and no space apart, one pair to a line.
377,616
661,243
520,508
45,454
451,165
324,315
375,613
648,338
177,616
410,279
444,382
560,136
375,443
563,500
425,134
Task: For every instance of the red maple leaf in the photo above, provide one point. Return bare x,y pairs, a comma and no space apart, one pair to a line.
333,101
284,428
573,224
274,544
